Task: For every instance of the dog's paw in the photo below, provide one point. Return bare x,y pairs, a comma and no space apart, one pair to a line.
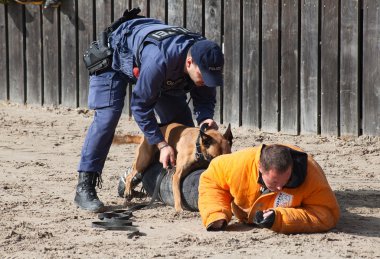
127,183
178,210
128,192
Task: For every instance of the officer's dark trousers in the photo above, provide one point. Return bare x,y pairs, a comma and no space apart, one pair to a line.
189,186
106,96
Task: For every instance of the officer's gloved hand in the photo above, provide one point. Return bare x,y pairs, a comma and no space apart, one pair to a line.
132,14
264,220
218,225
209,124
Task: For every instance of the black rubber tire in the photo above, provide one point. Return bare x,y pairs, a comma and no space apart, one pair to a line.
189,187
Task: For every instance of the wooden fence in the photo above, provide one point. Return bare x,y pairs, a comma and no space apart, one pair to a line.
295,66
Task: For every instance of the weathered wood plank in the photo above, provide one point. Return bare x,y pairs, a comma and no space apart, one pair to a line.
309,67
33,55
51,57
85,37
251,108
232,47
270,66
103,17
194,19
289,67
194,23
16,53
329,67
3,54
371,67
213,31
69,55
157,10
349,66
176,12
119,8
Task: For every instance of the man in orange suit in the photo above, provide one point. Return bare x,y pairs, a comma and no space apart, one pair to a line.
271,186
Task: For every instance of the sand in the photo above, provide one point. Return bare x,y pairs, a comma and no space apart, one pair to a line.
39,154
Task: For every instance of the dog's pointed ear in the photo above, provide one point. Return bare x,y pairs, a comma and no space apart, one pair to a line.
206,139
228,134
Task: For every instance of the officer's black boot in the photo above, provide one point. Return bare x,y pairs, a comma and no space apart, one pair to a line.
85,196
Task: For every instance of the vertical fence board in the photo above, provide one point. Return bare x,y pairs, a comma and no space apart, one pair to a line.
194,19
103,17
16,53
250,64
85,37
51,57
3,55
157,10
212,30
213,20
119,7
270,66
193,23
33,54
309,67
231,97
176,12
329,67
289,67
371,67
349,66
69,55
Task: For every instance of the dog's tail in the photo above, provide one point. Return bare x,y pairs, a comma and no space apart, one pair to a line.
126,139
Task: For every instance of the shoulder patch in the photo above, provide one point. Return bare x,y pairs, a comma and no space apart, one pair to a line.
283,199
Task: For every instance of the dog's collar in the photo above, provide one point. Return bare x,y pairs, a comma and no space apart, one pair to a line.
199,156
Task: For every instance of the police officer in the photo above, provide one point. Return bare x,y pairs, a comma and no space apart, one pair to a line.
165,63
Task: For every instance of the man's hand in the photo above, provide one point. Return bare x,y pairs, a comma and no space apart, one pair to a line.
211,124
217,225
167,157
264,219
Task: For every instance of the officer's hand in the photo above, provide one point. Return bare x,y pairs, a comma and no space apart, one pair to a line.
167,156
211,124
217,225
264,219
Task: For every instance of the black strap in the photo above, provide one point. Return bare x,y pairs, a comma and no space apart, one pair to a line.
119,215
116,220
154,196
119,219
116,226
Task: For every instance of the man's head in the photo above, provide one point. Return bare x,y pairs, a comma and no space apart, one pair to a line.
276,166
205,63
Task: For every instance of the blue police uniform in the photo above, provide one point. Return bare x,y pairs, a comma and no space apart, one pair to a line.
159,88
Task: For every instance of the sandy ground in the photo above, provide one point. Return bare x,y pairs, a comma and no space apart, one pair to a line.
39,153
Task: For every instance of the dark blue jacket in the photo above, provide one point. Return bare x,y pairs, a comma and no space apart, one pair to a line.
160,62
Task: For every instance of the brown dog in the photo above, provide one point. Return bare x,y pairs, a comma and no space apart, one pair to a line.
194,149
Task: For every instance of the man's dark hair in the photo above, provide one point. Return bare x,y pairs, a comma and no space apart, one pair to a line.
276,157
